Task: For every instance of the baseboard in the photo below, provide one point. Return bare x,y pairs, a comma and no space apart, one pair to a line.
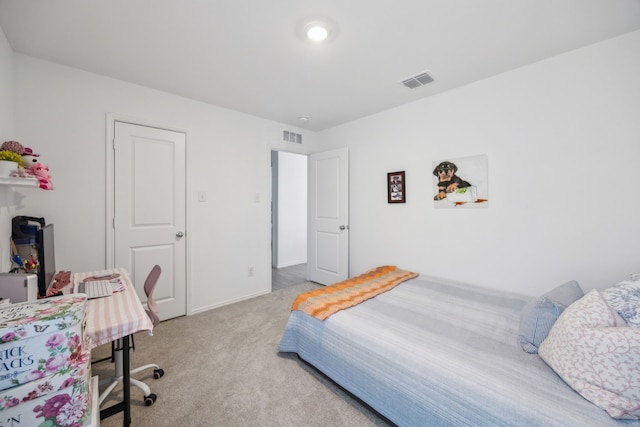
291,264
228,302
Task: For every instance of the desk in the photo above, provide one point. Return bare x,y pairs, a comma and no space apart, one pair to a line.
115,318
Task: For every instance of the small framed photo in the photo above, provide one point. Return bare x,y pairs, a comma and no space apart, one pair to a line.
396,187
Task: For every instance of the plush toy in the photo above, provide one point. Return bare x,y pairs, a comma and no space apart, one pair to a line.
13,146
29,158
41,172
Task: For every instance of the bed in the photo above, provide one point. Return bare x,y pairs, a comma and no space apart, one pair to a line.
430,352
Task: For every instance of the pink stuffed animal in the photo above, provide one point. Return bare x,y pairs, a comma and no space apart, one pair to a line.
42,173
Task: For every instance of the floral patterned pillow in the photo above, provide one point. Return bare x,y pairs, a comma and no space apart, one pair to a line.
597,359
625,299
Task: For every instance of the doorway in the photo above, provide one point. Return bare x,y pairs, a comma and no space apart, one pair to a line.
288,219
149,210
328,235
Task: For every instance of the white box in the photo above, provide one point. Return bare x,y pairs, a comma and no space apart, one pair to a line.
18,287
39,338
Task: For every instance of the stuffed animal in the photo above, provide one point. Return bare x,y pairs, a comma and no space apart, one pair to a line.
41,172
29,158
13,146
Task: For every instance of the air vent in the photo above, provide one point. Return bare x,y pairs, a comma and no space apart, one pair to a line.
292,137
417,80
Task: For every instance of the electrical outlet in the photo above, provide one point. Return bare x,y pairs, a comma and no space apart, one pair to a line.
250,271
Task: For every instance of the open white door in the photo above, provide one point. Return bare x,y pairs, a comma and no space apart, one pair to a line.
150,211
328,216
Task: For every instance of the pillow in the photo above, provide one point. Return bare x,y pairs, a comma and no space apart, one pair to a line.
539,315
597,359
625,299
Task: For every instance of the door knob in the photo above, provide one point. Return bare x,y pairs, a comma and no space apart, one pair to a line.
179,234
342,227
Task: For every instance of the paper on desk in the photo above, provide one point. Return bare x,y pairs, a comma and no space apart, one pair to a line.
117,285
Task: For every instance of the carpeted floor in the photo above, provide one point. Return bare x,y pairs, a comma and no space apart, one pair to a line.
288,276
222,369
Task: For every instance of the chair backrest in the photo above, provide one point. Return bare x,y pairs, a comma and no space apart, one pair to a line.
149,286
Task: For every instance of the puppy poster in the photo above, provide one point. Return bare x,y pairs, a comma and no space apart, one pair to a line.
461,182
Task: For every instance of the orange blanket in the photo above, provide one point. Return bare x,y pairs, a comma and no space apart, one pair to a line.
323,302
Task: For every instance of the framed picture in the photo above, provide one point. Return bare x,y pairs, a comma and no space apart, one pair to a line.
396,187
461,183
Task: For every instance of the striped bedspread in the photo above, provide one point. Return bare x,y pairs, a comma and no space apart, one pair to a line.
323,302
432,352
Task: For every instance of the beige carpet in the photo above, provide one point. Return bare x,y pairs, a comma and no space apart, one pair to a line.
222,369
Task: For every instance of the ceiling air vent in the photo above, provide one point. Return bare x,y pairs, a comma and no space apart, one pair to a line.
417,80
292,137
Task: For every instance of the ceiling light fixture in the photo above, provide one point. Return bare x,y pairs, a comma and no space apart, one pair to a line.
316,29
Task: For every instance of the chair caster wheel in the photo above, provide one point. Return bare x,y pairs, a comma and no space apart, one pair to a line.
150,399
158,373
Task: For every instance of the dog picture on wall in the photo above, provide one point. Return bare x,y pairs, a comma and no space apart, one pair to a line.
461,182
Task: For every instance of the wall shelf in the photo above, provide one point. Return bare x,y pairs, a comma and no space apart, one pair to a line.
18,182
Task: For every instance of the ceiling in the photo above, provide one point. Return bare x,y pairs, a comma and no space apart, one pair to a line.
249,56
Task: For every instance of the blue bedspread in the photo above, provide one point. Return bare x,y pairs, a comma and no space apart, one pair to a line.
432,353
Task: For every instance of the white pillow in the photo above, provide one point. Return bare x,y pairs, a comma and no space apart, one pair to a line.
597,359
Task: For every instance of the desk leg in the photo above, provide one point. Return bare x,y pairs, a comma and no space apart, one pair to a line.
126,375
122,369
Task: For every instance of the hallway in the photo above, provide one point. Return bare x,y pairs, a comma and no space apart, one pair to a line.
288,276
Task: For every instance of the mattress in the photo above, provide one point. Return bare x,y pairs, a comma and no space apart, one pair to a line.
433,352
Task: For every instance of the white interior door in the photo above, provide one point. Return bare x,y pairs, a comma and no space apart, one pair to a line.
328,216
149,211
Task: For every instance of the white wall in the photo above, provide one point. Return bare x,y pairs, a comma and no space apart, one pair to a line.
292,209
61,113
562,139
6,89
7,199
